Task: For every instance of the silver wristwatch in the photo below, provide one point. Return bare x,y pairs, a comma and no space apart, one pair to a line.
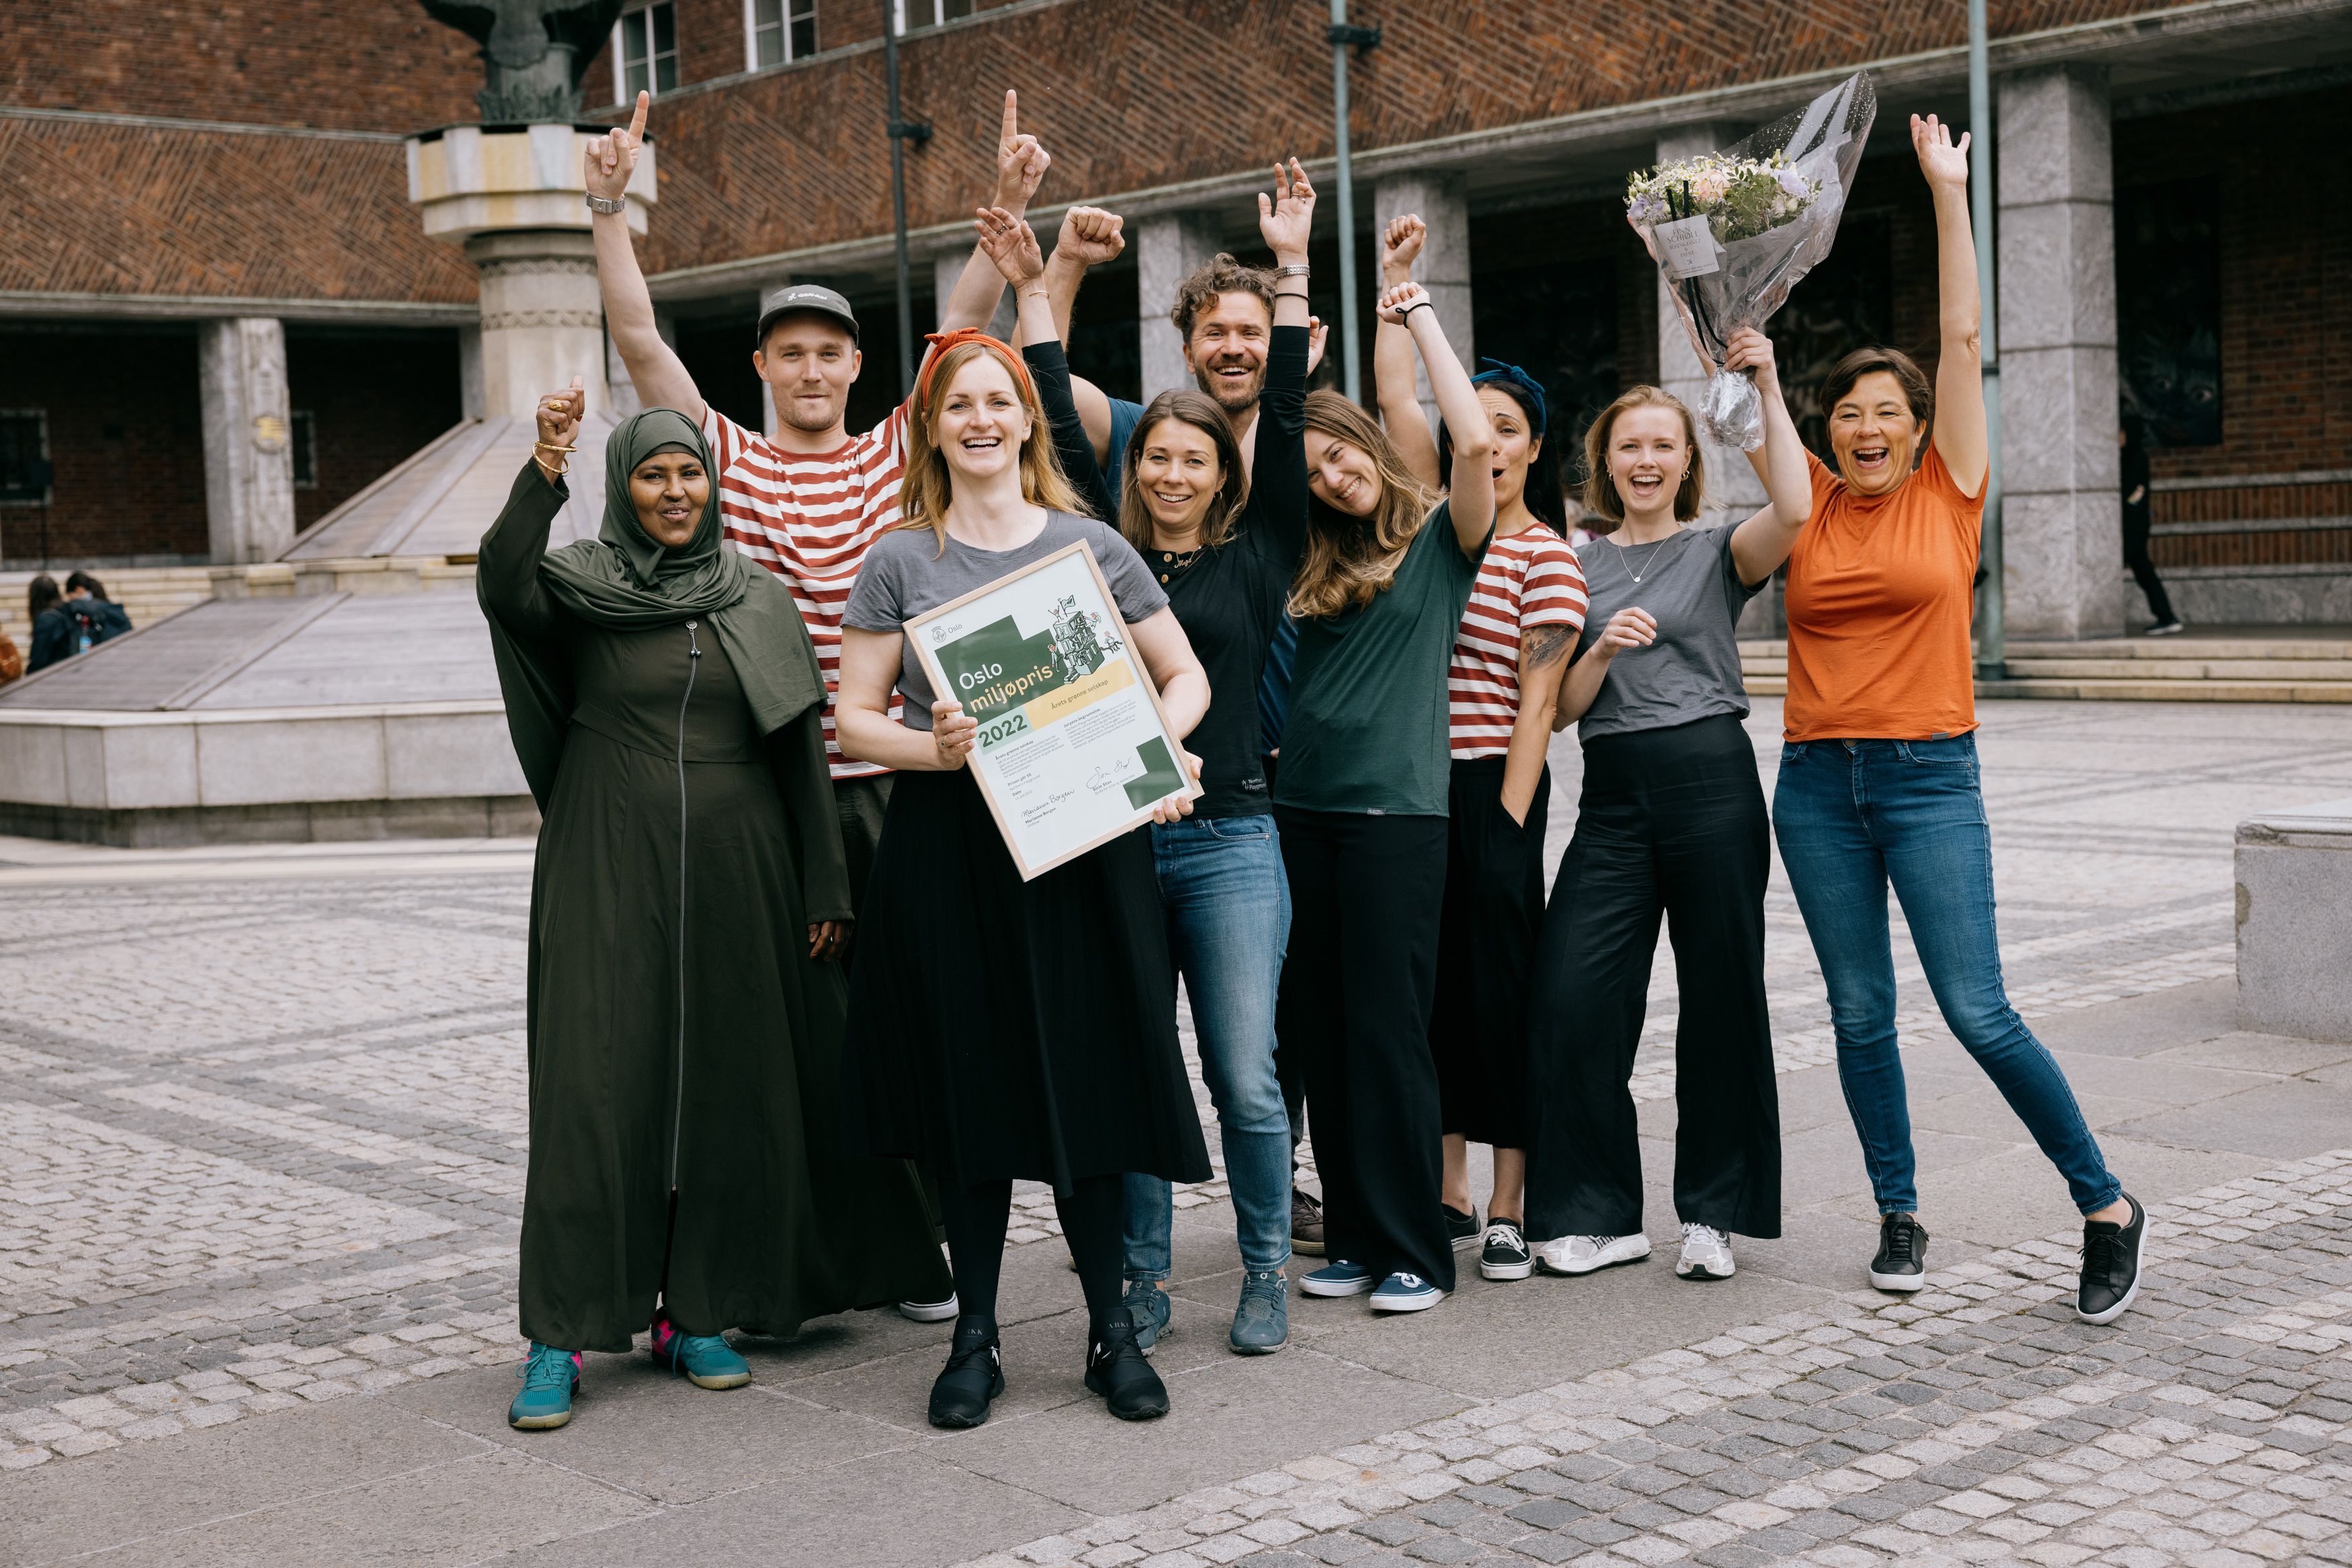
604,204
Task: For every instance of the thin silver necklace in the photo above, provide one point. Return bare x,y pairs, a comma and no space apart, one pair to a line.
1622,551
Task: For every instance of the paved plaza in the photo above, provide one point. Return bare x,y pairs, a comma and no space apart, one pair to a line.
262,1116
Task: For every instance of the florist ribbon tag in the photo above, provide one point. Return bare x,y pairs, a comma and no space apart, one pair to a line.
1686,245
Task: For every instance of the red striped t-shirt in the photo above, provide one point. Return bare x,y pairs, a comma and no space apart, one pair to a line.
810,517
1528,579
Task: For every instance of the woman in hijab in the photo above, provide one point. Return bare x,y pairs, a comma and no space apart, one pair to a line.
684,1017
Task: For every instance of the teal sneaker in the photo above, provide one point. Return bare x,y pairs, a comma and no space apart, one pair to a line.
1262,1320
1150,1308
705,1360
550,1378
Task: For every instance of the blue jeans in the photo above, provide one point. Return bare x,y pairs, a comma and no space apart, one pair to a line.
1228,905
1853,815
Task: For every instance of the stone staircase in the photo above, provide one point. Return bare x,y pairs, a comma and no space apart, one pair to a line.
2243,665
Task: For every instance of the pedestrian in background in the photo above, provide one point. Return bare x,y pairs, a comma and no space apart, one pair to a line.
2140,510
55,634
1879,782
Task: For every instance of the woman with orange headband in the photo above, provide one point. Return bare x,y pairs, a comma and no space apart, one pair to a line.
1003,1031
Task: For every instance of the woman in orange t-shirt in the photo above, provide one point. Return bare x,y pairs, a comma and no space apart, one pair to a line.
1878,780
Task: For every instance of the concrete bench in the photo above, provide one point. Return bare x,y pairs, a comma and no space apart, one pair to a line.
2295,921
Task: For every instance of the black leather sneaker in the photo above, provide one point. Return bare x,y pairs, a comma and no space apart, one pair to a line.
1902,1260
1306,1223
2110,1266
1116,1370
1461,1230
973,1377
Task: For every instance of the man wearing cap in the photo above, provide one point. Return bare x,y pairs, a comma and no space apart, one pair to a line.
807,501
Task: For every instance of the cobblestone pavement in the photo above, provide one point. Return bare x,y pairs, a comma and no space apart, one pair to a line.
1977,1423
264,1137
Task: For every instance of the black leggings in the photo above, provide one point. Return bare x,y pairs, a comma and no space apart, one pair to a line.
1092,1211
1672,822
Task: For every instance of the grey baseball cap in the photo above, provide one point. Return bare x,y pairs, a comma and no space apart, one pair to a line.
808,297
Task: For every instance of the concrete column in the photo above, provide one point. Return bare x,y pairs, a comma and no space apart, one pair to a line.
1168,249
469,372
946,268
1444,269
543,317
1733,490
2061,520
248,439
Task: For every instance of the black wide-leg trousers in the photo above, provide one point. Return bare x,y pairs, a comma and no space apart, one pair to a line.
1365,891
1671,822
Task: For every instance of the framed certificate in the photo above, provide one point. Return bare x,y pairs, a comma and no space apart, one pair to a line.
1073,747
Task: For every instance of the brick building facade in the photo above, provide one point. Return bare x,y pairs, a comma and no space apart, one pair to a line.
173,166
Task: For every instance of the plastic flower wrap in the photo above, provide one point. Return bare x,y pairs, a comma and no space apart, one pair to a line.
1733,232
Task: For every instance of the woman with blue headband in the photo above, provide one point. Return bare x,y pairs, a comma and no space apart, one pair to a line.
1526,608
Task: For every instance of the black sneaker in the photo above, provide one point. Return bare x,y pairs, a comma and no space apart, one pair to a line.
1503,1254
1902,1260
1461,1230
1306,1223
2110,1266
1116,1370
973,1377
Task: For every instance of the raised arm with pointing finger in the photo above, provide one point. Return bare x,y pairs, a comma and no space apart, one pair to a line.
661,378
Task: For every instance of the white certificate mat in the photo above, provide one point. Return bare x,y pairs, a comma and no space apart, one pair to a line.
1073,747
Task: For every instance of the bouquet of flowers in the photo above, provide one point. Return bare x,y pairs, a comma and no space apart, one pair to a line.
1733,231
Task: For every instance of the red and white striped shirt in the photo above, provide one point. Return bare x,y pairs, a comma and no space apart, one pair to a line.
810,519
1528,579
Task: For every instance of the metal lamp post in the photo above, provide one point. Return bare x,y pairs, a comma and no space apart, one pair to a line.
902,131
1344,37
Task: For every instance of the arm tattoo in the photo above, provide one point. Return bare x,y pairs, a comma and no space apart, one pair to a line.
1547,644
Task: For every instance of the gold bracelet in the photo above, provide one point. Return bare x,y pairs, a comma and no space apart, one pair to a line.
550,446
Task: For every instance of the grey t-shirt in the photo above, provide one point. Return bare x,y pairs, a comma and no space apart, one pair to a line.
906,573
1692,589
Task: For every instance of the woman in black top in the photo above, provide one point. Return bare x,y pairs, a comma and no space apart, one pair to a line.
1225,546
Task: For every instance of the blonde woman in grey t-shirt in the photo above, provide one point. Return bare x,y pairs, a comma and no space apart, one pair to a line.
1671,821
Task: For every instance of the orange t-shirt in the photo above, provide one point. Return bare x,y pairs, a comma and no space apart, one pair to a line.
1880,595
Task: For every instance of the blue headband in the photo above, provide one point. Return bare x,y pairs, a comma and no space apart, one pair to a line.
1531,392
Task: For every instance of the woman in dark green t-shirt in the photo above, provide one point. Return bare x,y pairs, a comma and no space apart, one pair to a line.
1361,804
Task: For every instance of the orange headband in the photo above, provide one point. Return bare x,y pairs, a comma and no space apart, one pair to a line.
942,341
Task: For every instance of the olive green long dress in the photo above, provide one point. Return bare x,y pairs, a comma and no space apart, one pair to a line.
680,1037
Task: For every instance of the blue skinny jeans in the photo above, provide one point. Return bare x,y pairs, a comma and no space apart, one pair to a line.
1852,817
1228,906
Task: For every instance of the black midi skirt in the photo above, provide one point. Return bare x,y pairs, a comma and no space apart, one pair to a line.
1000,1029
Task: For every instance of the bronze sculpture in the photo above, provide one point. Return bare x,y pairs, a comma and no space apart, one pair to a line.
534,52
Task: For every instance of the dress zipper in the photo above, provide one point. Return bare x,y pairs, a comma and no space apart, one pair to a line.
677,1106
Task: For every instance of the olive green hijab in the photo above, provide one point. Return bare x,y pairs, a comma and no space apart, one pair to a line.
627,581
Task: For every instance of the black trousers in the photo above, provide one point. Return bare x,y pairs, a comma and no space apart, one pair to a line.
1672,821
1486,952
1362,972
2136,525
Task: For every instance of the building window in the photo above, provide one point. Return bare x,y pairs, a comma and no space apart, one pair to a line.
645,43
25,457
305,442
776,31
914,15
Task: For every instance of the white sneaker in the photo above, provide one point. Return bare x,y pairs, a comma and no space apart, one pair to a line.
930,1312
1707,1254
1583,1254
